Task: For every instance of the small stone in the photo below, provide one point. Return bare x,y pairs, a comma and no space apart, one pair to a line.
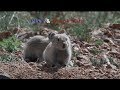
110,66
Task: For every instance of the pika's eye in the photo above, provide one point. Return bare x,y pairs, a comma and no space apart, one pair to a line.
58,39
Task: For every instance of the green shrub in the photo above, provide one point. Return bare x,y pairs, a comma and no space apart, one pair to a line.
11,44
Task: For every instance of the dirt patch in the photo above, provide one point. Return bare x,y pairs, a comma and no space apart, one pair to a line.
23,70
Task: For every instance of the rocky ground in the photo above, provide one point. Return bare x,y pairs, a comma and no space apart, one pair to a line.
98,59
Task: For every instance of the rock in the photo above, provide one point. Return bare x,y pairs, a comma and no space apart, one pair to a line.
4,75
110,66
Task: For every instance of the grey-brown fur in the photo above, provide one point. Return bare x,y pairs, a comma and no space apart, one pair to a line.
34,48
58,51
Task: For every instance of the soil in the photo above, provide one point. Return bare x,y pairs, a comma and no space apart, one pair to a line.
99,59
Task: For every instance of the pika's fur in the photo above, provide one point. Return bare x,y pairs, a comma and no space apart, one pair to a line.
34,48
58,51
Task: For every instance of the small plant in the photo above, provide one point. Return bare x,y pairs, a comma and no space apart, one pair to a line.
11,44
98,42
81,31
7,58
95,51
95,62
103,61
98,62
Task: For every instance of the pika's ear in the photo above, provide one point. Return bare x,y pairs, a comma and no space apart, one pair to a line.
51,35
62,31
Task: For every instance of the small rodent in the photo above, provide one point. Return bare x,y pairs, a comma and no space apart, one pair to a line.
58,52
34,48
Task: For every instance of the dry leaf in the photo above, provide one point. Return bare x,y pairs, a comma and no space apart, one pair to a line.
115,26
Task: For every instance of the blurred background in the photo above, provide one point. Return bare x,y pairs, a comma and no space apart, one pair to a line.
89,20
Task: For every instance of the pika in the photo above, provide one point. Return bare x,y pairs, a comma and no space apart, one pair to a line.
33,50
58,52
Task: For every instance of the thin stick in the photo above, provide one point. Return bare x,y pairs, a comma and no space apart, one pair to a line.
12,17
